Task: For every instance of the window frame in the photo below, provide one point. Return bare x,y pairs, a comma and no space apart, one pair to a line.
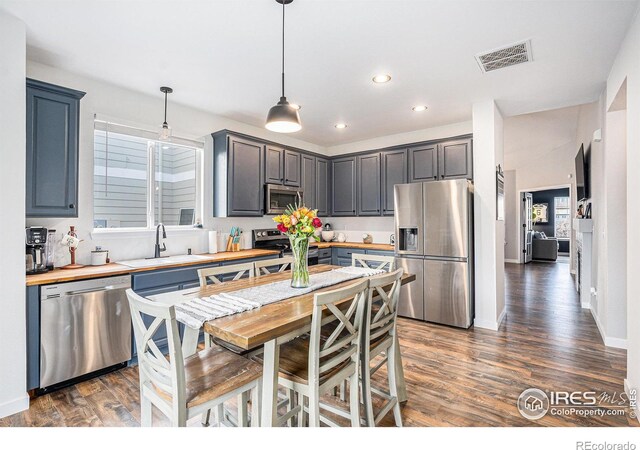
198,147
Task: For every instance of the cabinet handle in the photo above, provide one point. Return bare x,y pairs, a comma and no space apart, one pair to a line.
72,206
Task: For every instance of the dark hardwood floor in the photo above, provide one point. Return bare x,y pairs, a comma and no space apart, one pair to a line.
454,377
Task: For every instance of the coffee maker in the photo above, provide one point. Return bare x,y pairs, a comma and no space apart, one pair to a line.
35,258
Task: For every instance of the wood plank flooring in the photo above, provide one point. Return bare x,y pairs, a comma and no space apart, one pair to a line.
454,377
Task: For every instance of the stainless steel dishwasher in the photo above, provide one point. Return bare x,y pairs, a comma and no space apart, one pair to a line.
85,326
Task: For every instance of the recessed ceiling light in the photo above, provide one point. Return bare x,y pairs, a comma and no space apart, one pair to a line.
295,106
419,108
382,78
341,126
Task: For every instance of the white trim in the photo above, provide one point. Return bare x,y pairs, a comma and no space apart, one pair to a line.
14,406
512,261
627,390
607,340
486,324
503,314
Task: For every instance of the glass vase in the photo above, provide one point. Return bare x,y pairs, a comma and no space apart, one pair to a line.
300,265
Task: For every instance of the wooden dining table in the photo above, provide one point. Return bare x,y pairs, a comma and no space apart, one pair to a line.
270,325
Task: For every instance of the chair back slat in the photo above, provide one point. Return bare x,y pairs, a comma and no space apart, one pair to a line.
382,307
212,273
262,267
343,343
379,262
165,373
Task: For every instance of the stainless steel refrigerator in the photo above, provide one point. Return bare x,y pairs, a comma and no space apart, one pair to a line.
434,241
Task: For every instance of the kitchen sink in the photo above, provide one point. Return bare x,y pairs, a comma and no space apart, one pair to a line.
165,261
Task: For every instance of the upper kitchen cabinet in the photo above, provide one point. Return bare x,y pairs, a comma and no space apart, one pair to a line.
323,186
394,171
423,163
282,166
309,181
455,159
343,189
368,185
53,124
238,181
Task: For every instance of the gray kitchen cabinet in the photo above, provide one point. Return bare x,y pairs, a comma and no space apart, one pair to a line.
323,187
309,181
292,168
394,171
423,163
238,176
274,165
343,186
368,185
53,124
455,159
33,337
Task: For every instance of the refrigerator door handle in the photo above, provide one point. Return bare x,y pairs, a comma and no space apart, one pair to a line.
463,259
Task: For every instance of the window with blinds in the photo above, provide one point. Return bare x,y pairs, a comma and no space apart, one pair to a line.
562,223
140,181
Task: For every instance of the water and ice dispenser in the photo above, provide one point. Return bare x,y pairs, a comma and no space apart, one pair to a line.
408,239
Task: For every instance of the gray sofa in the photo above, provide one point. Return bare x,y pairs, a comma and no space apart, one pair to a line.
544,248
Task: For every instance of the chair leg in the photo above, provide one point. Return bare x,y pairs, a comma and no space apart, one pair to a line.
255,405
292,404
146,412
243,412
354,402
301,414
219,414
393,386
206,416
343,391
314,409
179,417
366,393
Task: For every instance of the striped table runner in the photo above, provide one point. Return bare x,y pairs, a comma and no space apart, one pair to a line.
195,312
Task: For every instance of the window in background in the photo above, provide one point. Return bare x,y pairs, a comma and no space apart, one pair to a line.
562,211
140,181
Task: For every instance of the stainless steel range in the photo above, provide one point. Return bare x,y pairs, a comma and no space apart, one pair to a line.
272,239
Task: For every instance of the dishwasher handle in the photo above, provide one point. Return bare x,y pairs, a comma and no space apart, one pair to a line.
89,290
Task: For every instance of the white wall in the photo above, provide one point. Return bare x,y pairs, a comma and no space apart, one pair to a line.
13,389
133,108
488,139
627,66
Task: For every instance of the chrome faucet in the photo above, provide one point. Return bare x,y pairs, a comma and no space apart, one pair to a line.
164,236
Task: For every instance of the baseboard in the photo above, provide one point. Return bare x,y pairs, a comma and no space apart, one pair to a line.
608,341
627,390
503,314
14,406
512,261
486,324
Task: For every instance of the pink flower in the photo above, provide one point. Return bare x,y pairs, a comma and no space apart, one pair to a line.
317,223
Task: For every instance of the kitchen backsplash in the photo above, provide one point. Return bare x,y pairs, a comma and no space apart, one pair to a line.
140,245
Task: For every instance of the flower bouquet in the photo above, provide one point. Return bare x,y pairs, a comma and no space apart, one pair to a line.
299,223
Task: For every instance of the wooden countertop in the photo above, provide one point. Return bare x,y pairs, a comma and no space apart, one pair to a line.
88,272
386,247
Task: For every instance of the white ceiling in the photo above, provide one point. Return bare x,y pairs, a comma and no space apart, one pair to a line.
223,56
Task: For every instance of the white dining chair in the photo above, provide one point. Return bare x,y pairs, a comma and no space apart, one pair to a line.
213,273
184,388
262,267
379,341
312,366
380,262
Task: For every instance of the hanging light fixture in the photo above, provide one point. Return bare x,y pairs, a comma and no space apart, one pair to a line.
165,131
283,118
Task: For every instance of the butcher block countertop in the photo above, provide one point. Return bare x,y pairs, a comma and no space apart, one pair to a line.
88,272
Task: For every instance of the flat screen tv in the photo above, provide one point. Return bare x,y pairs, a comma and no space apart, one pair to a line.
582,175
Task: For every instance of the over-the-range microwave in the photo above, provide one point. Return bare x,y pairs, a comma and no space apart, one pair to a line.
278,197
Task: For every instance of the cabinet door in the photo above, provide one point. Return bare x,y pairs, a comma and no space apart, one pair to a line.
343,189
245,194
309,181
368,184
292,175
274,165
323,186
53,116
455,160
394,171
423,163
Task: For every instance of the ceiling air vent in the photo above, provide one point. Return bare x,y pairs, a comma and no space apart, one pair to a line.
505,57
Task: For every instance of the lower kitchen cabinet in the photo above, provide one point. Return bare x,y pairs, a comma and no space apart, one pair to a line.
342,256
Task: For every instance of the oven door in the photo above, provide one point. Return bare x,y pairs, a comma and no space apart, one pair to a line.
279,197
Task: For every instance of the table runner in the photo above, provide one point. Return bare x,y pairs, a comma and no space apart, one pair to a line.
195,312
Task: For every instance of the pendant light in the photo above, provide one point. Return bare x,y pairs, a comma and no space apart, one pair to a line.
283,118
165,131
